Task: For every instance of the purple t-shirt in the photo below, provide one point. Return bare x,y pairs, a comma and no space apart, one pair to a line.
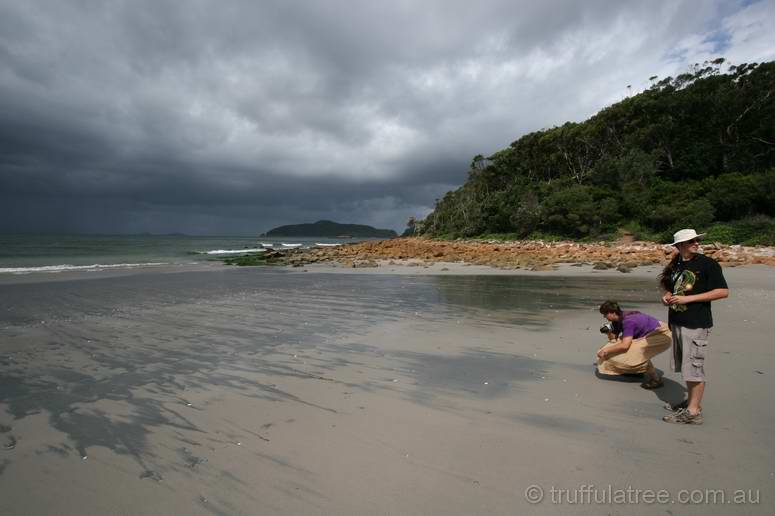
638,325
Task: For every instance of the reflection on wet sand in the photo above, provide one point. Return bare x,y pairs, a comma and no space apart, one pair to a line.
139,364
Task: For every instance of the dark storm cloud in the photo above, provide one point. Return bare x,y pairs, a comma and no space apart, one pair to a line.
215,117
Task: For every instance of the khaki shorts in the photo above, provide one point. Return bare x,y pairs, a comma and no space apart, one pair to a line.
690,346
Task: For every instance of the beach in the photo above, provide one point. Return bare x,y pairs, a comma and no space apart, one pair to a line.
408,388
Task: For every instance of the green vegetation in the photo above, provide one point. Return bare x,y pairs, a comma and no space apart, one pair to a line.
758,230
697,150
329,229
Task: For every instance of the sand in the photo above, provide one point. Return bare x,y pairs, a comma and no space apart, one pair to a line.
394,390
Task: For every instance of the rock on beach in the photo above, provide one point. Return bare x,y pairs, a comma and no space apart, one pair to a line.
531,254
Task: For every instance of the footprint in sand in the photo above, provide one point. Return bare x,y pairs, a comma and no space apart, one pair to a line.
10,443
153,475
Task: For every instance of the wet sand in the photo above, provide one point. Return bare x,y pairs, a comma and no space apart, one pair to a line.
395,390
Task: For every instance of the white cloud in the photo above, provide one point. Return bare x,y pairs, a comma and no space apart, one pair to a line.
751,33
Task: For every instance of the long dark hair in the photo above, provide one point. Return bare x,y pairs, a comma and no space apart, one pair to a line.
666,276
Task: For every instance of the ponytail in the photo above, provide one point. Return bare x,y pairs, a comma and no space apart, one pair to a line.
665,278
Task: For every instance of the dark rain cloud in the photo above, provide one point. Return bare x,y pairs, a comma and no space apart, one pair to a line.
233,117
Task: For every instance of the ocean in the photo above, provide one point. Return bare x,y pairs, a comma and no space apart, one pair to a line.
22,254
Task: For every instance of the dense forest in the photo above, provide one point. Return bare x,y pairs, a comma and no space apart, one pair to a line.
696,150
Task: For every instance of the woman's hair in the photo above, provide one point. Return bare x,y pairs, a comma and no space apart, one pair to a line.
610,306
665,278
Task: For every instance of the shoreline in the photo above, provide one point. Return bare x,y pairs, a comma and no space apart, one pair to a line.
95,274
295,264
416,255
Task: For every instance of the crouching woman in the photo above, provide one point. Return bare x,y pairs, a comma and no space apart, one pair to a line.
635,338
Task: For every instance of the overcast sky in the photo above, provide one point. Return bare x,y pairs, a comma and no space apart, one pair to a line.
231,117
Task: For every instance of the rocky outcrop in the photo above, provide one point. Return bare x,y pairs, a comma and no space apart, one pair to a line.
529,254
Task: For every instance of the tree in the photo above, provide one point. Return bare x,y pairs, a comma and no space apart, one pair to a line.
691,149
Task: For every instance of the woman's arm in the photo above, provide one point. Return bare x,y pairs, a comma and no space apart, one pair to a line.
711,295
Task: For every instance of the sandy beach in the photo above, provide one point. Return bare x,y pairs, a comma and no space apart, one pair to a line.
402,389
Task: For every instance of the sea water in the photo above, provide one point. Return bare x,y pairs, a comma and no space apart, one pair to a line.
20,254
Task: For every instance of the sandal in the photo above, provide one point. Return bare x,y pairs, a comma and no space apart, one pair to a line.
653,384
675,407
678,406
684,417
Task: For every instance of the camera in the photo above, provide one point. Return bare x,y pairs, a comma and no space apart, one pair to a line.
607,327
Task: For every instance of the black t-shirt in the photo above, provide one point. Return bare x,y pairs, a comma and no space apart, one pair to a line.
696,276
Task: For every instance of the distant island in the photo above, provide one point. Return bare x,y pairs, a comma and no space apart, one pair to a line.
329,229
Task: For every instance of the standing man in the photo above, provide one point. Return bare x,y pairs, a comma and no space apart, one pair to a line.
691,281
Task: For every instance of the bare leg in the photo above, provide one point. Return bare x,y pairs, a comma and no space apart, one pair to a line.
696,390
651,372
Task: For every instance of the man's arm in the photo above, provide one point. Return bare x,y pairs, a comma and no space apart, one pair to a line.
622,347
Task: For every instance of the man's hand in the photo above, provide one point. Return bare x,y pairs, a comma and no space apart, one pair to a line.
601,353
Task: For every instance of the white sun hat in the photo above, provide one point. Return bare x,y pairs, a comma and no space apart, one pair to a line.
685,235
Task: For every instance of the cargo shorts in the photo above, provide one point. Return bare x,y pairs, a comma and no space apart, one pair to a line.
690,346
